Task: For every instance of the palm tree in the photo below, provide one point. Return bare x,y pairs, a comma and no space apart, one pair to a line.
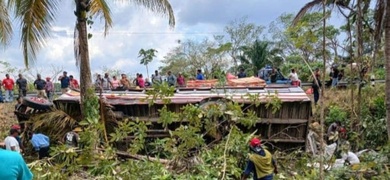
6,25
37,16
256,55
147,57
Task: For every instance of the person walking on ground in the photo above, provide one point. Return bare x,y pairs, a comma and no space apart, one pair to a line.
41,144
65,81
13,166
10,141
74,84
8,84
199,75
260,162
171,79
72,138
22,85
49,88
40,84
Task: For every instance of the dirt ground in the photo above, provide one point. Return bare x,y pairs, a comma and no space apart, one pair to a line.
7,119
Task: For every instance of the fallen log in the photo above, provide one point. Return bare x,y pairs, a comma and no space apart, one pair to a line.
141,157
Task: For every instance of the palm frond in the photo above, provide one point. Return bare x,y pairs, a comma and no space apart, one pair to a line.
308,7
55,123
36,21
5,24
100,8
162,7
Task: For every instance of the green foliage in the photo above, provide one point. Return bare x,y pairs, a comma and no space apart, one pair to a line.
302,69
336,113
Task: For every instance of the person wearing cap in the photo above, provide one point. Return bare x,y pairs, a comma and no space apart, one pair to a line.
40,86
17,128
65,81
72,138
260,162
49,88
10,141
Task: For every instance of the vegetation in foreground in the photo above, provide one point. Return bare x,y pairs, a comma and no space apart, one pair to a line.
187,155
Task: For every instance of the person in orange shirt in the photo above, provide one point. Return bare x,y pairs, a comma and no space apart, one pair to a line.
8,84
74,84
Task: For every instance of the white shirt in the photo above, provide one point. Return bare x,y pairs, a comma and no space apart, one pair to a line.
351,157
11,141
293,77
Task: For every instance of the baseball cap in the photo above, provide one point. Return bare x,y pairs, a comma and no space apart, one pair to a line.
15,126
255,142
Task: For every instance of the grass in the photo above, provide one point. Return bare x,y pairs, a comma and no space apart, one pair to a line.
7,119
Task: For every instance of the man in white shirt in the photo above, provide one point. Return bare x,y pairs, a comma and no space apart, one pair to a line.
11,143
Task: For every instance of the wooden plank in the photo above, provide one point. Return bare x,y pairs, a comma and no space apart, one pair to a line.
284,140
260,120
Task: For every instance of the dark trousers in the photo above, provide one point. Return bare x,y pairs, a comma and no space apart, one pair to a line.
22,93
43,152
316,96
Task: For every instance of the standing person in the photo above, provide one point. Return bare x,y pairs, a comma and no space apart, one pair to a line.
1,92
335,77
8,84
65,81
140,80
41,144
135,81
242,73
40,84
13,166
73,83
49,88
17,128
316,88
107,83
260,162
72,138
115,82
156,79
171,79
11,143
99,81
273,75
199,75
180,80
294,78
22,85
125,82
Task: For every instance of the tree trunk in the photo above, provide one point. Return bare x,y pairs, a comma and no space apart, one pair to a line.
147,72
387,56
85,67
359,31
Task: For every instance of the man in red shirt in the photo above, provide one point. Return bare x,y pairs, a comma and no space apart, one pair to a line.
8,84
74,84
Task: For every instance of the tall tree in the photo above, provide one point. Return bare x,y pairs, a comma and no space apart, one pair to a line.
37,17
147,57
387,53
256,55
241,33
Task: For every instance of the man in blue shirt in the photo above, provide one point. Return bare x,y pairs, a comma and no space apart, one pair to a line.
65,81
199,75
260,162
12,166
41,144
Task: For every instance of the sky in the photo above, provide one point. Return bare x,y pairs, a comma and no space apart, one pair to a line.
135,28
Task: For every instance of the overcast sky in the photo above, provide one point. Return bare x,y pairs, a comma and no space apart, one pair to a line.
135,28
